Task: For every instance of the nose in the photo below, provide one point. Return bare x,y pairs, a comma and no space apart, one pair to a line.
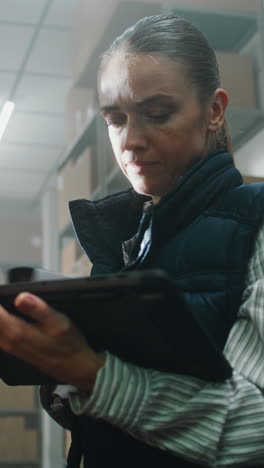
134,136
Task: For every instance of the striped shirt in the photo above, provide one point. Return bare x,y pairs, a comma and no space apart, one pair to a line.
212,424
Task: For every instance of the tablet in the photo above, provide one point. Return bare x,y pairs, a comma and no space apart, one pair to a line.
139,316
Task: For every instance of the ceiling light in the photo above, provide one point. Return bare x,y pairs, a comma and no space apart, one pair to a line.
5,115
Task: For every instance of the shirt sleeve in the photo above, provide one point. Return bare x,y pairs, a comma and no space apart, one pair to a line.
214,424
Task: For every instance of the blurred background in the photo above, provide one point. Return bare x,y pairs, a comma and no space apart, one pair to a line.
54,147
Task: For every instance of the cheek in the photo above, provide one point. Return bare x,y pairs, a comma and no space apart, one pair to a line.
191,135
115,141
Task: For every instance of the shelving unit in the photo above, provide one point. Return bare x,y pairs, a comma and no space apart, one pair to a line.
238,29
24,449
227,31
87,137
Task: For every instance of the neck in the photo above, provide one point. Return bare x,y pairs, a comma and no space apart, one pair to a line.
156,199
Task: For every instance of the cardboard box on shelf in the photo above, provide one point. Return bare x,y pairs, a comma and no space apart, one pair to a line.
251,179
68,257
63,194
89,30
67,442
81,107
90,21
73,261
17,398
76,180
82,266
232,67
16,442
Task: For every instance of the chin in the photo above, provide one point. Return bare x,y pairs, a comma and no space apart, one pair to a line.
146,190
151,188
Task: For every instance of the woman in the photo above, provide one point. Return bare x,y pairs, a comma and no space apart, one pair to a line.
160,95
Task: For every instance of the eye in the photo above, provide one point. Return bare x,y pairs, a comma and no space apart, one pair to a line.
115,119
162,117
158,113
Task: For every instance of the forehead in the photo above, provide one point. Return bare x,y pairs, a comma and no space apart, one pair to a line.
125,77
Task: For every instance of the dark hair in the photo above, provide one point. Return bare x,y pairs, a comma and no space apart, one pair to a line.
176,38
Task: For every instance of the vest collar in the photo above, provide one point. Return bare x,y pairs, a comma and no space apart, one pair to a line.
103,225
197,189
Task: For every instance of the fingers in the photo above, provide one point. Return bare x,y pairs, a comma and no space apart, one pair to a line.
32,306
35,343
12,331
47,319
52,344
36,308
20,339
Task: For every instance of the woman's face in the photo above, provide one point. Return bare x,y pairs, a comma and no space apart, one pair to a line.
156,124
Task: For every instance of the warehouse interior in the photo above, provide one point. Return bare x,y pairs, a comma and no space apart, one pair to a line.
54,147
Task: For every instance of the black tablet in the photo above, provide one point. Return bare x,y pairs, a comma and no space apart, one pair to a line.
139,316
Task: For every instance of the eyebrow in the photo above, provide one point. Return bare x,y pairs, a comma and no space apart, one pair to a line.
149,100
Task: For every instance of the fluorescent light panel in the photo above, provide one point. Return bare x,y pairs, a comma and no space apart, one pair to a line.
5,115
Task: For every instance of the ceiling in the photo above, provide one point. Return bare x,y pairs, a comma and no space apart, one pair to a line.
35,73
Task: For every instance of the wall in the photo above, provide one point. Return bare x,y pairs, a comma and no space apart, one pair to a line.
250,158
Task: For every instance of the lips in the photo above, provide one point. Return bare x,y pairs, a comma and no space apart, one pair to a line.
142,163
141,166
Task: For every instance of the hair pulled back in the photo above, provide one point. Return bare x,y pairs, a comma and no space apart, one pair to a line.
176,38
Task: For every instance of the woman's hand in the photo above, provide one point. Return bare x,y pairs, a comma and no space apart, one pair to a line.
52,344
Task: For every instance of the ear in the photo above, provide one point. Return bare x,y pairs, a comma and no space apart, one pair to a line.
217,110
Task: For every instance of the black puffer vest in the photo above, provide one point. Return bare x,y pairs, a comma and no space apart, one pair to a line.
202,233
